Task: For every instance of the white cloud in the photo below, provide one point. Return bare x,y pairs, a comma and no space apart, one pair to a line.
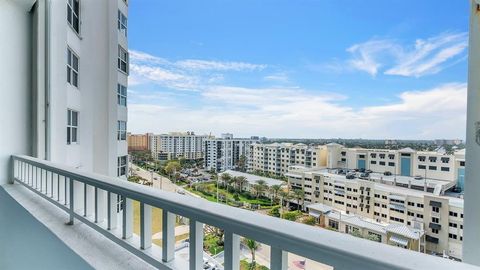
289,112
200,65
188,74
277,77
426,56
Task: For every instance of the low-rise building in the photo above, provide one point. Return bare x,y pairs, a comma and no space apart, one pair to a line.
381,201
252,180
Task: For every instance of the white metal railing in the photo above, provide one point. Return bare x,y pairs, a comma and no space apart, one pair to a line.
65,187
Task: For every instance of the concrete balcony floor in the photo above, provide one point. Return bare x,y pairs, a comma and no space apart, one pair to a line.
34,235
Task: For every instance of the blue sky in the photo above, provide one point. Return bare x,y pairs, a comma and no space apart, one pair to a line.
306,69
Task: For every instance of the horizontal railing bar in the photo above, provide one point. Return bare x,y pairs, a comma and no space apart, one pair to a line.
339,250
124,244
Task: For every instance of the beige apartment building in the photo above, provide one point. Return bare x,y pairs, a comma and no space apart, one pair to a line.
373,204
139,142
276,158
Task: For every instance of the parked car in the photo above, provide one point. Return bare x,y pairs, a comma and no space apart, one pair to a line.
418,177
387,173
350,176
361,170
368,171
364,175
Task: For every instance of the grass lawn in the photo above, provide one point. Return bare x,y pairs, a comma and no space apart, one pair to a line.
265,203
245,265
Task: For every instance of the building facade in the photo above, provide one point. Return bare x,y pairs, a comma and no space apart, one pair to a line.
139,142
176,145
404,162
276,158
227,153
439,217
72,57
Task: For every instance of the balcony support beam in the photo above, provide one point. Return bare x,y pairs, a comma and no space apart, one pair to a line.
196,245
232,250
278,259
168,236
127,220
145,226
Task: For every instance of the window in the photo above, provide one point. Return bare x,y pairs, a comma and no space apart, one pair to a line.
373,155
122,131
382,156
445,159
445,169
122,166
453,214
382,163
373,162
419,216
121,95
435,209
73,12
411,203
453,225
432,168
452,236
462,163
435,231
122,59
421,158
435,220
72,126
391,164
122,23
72,68
391,156
422,167
432,159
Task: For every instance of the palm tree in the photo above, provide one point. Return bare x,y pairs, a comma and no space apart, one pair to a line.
262,186
240,181
275,190
298,194
253,246
285,196
231,182
226,178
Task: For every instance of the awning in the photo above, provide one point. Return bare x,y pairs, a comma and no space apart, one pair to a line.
399,240
314,214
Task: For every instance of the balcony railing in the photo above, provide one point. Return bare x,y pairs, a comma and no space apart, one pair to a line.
61,184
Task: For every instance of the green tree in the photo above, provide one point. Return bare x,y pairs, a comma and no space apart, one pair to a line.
275,190
240,182
253,246
260,187
242,163
225,178
299,195
172,168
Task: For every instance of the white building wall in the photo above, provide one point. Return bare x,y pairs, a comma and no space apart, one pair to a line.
15,84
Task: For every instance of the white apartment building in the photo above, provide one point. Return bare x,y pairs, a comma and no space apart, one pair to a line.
225,153
404,162
176,145
383,203
276,158
67,62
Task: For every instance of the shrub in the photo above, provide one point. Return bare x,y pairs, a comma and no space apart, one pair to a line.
275,211
309,220
292,215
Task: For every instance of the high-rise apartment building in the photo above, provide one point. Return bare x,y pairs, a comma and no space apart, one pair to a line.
67,66
139,142
176,145
276,158
227,153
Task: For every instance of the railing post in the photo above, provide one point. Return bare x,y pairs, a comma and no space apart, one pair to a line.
168,236
111,211
11,176
196,245
58,187
145,226
278,259
85,200
71,200
232,251
127,220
